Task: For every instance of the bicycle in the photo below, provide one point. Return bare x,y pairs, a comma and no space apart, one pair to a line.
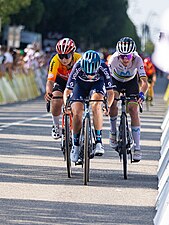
125,140
87,139
66,136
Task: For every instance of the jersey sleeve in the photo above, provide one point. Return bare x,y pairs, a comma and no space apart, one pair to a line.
140,68
107,76
52,70
73,76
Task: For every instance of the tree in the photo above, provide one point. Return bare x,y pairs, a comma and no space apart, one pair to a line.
8,8
92,23
31,16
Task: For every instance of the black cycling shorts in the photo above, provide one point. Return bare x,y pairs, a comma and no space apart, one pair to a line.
84,89
60,85
131,87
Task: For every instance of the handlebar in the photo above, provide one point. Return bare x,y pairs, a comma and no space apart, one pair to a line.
125,98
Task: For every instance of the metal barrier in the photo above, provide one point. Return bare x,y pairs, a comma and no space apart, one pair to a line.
22,87
162,202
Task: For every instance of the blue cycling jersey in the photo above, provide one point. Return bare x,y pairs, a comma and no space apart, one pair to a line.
77,74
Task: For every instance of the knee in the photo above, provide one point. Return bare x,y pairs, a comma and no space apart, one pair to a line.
96,106
133,111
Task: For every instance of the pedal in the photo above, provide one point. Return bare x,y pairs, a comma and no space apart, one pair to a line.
98,154
79,162
135,161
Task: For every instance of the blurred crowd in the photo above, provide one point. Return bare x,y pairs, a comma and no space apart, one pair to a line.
30,59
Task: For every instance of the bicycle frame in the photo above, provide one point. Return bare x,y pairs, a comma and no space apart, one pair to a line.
66,140
66,137
124,137
87,139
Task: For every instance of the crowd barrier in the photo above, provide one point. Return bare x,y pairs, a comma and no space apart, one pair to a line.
162,201
22,87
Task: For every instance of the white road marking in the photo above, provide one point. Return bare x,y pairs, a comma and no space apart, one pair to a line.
23,121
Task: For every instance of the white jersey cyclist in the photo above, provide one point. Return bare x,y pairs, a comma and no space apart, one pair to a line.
127,70
124,73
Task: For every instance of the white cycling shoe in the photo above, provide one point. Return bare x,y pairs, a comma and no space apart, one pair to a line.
74,154
99,149
113,140
55,132
137,155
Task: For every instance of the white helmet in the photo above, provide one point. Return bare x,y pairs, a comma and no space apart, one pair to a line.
125,45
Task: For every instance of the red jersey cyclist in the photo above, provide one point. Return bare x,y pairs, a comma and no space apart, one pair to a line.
126,65
151,77
89,77
59,69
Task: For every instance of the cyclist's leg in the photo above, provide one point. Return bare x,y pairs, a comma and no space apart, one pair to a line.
114,115
135,118
56,109
97,93
77,111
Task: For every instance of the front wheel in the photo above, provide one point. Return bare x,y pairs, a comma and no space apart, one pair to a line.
68,140
123,145
86,151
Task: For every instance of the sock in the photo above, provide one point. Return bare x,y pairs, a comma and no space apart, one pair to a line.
55,120
76,139
113,121
98,136
136,136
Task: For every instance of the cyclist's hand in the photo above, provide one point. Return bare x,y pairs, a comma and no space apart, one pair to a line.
106,111
141,97
48,97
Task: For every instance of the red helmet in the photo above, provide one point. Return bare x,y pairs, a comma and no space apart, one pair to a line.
65,46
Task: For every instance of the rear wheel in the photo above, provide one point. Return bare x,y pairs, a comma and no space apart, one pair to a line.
124,141
68,140
86,151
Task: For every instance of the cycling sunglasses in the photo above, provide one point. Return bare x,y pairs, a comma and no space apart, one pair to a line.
66,56
129,56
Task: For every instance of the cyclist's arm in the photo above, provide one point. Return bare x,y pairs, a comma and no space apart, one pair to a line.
110,97
49,88
66,93
154,78
143,84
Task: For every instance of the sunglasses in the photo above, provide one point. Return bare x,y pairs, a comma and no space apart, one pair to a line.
129,56
66,56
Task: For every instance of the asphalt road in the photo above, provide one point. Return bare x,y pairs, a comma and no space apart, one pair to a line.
34,188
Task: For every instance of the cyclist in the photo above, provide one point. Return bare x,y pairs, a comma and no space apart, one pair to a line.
59,69
151,77
89,77
126,66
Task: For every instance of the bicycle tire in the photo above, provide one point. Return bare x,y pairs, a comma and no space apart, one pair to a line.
86,152
67,144
124,149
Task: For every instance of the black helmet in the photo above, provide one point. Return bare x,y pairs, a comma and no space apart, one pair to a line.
125,45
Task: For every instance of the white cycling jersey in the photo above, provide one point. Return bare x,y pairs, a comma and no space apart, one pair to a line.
126,73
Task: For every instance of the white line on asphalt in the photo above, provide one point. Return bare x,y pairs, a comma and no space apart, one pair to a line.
23,121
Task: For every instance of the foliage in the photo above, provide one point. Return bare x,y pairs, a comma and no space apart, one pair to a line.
32,15
8,7
91,23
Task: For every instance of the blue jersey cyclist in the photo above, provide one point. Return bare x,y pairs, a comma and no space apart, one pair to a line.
127,66
89,77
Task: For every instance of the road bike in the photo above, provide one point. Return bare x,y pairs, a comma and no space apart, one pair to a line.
66,136
87,139
125,140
